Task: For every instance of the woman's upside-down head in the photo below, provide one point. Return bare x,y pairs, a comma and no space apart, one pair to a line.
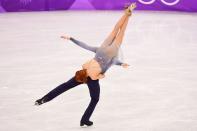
81,76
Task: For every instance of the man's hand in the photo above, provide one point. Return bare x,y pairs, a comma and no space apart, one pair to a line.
125,65
65,37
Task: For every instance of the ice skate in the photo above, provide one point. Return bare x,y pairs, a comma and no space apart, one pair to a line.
39,102
129,8
87,123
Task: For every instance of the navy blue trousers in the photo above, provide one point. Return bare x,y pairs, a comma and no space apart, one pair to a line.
94,90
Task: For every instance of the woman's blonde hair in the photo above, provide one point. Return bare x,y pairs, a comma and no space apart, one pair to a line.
81,76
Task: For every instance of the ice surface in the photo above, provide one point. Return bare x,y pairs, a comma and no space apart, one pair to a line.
158,92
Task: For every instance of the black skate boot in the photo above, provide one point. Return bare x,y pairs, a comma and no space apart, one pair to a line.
39,102
87,123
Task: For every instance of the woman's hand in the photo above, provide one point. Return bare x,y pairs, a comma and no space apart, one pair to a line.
101,76
125,65
65,37
96,77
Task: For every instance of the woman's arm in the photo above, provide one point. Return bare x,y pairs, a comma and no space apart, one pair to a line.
81,44
118,62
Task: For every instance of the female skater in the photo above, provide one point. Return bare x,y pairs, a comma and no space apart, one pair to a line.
94,69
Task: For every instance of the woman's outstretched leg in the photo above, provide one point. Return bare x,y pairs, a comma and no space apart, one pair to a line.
58,90
113,49
108,41
119,38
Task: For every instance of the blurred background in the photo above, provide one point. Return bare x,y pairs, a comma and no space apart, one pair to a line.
158,92
46,5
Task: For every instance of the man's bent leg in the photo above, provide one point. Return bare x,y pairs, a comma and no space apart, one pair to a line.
94,89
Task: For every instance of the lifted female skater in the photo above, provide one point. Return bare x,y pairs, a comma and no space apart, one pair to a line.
94,69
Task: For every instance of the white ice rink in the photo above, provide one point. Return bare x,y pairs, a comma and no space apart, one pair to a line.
158,92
